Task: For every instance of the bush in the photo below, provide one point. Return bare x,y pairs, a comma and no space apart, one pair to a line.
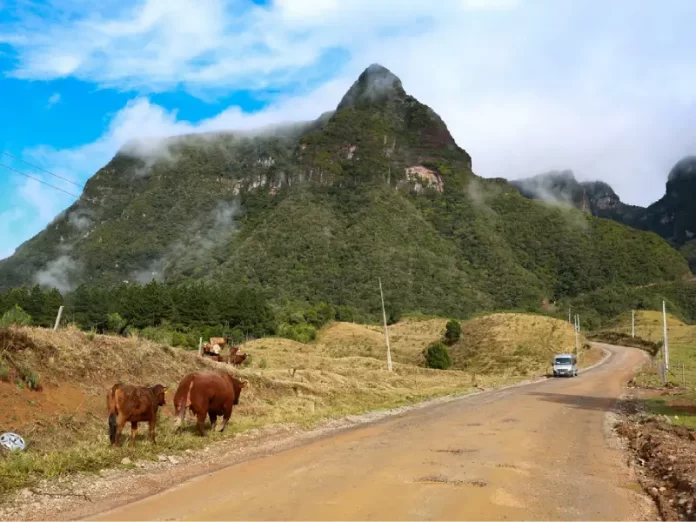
115,323
4,372
302,333
453,332
15,316
437,356
28,375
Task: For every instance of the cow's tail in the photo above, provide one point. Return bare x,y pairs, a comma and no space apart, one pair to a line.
183,406
113,412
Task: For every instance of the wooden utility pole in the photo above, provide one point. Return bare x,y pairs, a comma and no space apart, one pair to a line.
569,321
577,329
633,323
386,332
60,314
200,346
664,327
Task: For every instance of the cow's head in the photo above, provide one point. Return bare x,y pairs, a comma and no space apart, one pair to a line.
159,391
239,386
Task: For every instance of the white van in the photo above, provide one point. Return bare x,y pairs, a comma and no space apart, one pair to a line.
565,364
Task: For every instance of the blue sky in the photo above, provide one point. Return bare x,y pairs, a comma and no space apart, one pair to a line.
524,86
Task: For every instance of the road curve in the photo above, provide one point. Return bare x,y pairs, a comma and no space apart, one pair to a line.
532,452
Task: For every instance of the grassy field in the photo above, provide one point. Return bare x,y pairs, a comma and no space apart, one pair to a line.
682,346
679,407
343,372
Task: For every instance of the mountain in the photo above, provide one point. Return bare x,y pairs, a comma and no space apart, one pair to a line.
318,211
594,197
673,217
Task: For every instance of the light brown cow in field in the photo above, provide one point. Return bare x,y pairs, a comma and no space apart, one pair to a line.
133,404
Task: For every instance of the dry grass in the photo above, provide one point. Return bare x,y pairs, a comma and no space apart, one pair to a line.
342,373
649,326
517,344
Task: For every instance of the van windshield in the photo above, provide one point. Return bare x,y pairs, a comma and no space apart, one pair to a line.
563,360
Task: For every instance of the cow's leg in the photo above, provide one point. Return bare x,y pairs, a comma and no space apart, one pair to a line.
213,420
120,424
134,431
200,424
151,427
225,419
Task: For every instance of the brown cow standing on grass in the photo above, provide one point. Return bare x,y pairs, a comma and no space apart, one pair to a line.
220,358
207,394
133,404
237,360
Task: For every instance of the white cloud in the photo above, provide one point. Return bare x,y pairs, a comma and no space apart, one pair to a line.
159,44
55,98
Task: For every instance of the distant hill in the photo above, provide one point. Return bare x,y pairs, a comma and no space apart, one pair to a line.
318,211
673,216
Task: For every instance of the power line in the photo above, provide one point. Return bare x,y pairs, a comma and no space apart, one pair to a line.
39,180
42,170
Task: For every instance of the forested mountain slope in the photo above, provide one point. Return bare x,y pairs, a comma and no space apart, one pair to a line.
318,211
673,216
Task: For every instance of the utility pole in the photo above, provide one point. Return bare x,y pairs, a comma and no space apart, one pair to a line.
633,323
60,313
664,327
577,329
200,346
569,321
386,333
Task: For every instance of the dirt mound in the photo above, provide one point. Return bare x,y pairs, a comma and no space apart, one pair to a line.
624,339
665,456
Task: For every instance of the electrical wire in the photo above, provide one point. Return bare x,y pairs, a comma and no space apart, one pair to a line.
39,180
42,170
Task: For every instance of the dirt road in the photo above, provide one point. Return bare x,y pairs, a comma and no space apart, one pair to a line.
534,452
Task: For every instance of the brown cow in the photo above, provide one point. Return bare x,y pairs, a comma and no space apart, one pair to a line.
237,360
133,404
207,394
221,358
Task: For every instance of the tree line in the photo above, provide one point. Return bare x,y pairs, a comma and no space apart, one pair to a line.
173,314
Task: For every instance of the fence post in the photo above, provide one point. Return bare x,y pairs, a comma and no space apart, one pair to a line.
200,346
60,313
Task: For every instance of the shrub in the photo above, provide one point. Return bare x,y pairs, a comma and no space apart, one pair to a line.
302,333
29,376
437,356
15,316
4,372
263,363
453,332
115,323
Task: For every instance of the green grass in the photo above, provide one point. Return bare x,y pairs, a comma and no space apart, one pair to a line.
679,354
681,409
